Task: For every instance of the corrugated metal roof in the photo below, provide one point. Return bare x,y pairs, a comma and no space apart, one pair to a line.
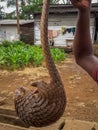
14,22
64,8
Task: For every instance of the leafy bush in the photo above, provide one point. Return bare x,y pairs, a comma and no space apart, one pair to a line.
58,54
15,55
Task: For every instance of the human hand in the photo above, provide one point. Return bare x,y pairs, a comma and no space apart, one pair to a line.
81,4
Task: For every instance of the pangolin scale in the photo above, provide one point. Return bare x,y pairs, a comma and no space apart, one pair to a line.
46,105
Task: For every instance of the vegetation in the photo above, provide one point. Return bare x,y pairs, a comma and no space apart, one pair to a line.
34,6
15,55
28,7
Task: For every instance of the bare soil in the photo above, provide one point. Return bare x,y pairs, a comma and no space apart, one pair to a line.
81,90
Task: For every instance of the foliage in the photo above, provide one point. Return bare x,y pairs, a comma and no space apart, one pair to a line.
58,54
28,7
1,13
15,55
34,6
66,1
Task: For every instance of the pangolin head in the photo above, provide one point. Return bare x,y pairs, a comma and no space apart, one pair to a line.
20,91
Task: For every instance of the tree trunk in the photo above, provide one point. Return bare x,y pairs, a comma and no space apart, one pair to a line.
17,13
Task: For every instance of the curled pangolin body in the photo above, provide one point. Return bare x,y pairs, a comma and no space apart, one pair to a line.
46,105
42,108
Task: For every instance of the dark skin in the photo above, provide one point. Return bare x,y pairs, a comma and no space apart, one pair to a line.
83,50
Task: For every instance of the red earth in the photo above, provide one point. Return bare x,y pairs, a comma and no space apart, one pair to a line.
81,90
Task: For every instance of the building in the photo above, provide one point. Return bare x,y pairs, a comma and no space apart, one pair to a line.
8,30
62,24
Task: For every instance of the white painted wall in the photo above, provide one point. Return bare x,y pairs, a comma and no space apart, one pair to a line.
8,33
56,23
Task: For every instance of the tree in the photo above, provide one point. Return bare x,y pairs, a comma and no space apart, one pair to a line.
18,25
28,7
66,1
34,6
54,1
1,13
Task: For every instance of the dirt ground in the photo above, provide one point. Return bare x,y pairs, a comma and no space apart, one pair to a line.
81,90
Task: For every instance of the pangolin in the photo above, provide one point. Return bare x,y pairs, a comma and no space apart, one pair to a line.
47,104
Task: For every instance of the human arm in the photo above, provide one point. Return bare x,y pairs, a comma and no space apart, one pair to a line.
82,47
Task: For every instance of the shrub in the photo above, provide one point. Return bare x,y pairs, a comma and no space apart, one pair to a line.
58,54
17,54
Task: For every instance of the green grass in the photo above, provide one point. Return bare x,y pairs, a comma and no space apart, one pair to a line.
15,55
